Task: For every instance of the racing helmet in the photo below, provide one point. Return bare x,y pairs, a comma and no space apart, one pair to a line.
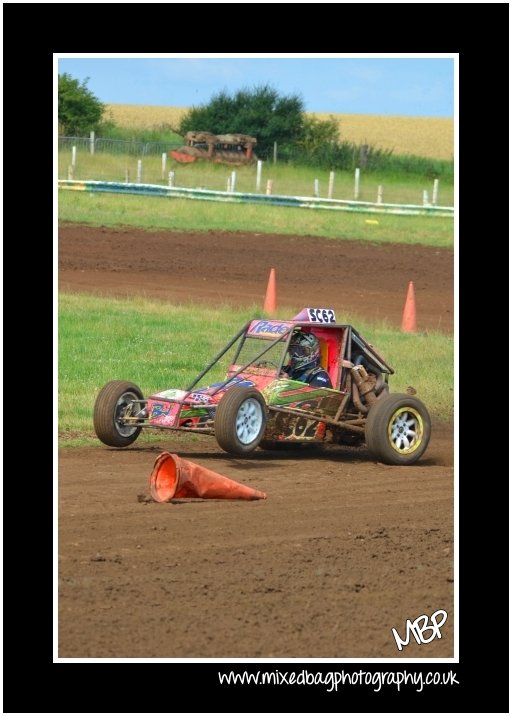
304,351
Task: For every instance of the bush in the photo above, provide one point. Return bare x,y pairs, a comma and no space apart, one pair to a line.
346,156
260,112
317,133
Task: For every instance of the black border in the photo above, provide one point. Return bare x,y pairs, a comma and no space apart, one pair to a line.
31,34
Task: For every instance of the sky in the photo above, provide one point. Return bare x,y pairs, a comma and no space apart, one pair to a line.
392,85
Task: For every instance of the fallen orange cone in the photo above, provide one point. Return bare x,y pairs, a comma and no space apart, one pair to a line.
172,478
409,314
270,304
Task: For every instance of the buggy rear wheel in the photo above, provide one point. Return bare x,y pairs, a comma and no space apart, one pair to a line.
240,420
113,404
398,429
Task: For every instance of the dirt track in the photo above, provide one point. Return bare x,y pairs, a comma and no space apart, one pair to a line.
350,276
342,550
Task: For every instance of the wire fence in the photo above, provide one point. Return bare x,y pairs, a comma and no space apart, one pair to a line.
130,147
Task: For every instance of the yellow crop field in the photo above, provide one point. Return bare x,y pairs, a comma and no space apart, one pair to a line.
422,136
140,116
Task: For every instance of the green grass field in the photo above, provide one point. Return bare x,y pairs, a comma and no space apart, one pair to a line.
189,215
158,345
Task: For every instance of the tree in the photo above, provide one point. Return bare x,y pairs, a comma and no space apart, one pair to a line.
260,112
80,111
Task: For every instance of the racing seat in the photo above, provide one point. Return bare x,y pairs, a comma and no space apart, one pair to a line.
329,350
324,354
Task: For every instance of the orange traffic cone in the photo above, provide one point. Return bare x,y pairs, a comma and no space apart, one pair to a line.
270,304
409,314
173,477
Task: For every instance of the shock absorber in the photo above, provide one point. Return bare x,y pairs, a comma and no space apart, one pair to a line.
365,384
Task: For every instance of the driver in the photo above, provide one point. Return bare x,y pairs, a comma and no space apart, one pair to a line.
304,362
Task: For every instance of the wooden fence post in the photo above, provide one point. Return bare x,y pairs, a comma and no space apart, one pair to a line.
331,185
435,191
356,184
91,142
380,191
258,174
363,155
316,188
172,179
270,184
164,163
139,171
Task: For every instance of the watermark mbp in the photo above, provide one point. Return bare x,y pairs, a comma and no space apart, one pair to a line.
418,628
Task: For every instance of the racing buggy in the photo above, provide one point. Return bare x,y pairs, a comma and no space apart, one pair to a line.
257,404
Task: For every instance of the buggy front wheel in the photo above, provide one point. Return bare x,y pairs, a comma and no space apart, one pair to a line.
398,429
240,420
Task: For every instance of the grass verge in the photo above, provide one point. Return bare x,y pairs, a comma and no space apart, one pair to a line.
189,215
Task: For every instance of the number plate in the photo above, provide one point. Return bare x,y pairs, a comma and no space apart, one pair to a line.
321,315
